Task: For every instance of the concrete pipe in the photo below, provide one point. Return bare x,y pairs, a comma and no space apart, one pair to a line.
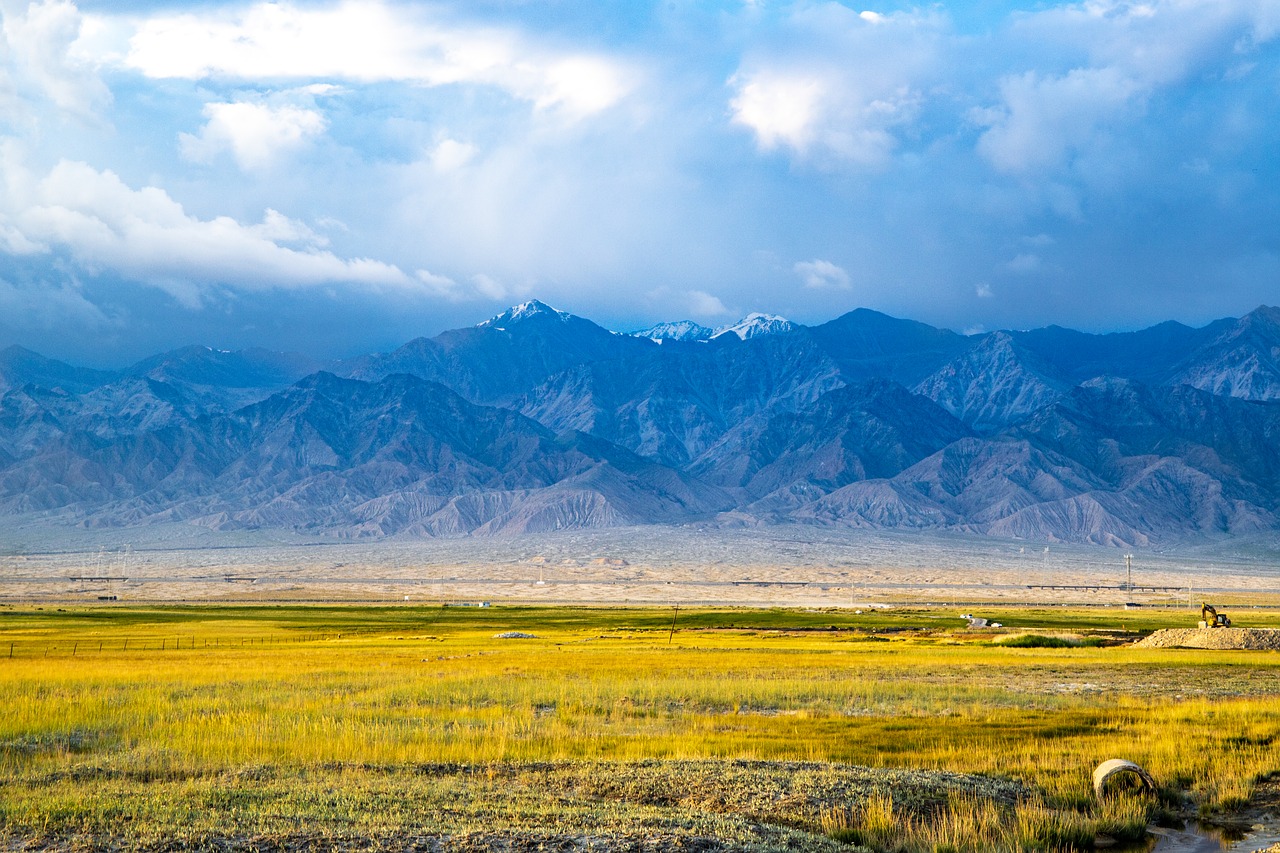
1115,766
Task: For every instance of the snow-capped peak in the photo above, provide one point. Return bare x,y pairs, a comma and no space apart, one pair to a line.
679,330
755,325
523,311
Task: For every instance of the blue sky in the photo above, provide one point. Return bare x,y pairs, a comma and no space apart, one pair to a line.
341,177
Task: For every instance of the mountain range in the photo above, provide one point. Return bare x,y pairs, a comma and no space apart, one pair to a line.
540,420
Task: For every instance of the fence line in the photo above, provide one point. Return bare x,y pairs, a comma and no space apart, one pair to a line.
156,644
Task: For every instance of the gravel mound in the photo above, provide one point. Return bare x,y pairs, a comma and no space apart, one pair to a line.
1261,639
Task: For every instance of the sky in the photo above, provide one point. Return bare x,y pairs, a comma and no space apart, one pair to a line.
340,177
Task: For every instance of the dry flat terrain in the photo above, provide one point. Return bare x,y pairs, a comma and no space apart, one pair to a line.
785,566
422,727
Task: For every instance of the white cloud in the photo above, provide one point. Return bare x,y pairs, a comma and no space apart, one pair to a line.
44,58
1157,42
579,84
983,291
9,102
480,286
821,275
673,304
1044,119
441,285
369,42
14,242
841,86
478,173
449,155
146,235
1118,54
1024,263
703,304
257,135
490,287
782,109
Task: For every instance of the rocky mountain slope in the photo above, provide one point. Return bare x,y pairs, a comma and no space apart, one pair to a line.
539,420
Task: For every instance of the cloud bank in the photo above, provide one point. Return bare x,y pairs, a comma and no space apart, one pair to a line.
368,43
144,234
176,170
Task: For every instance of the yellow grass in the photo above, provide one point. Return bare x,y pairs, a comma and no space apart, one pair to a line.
439,689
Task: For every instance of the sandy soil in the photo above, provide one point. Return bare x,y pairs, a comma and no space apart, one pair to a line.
1256,639
789,566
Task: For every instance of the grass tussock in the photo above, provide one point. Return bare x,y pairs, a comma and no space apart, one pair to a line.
971,824
1048,641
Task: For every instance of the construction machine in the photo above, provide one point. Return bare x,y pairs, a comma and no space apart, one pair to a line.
1211,618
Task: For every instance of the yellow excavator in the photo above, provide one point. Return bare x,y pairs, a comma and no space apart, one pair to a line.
1211,618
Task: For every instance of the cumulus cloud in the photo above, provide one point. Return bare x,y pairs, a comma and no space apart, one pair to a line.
44,60
821,275
1156,41
368,43
1044,118
1120,55
257,135
14,242
278,228
840,86
703,304
445,137
144,234
782,108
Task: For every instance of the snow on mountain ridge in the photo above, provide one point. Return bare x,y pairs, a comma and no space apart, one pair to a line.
756,324
676,330
523,311
751,326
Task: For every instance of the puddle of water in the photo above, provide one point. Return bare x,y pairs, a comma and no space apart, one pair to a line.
1202,839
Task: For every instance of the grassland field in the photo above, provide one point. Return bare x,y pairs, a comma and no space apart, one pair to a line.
415,727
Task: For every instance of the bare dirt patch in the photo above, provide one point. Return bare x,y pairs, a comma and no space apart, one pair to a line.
1252,639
